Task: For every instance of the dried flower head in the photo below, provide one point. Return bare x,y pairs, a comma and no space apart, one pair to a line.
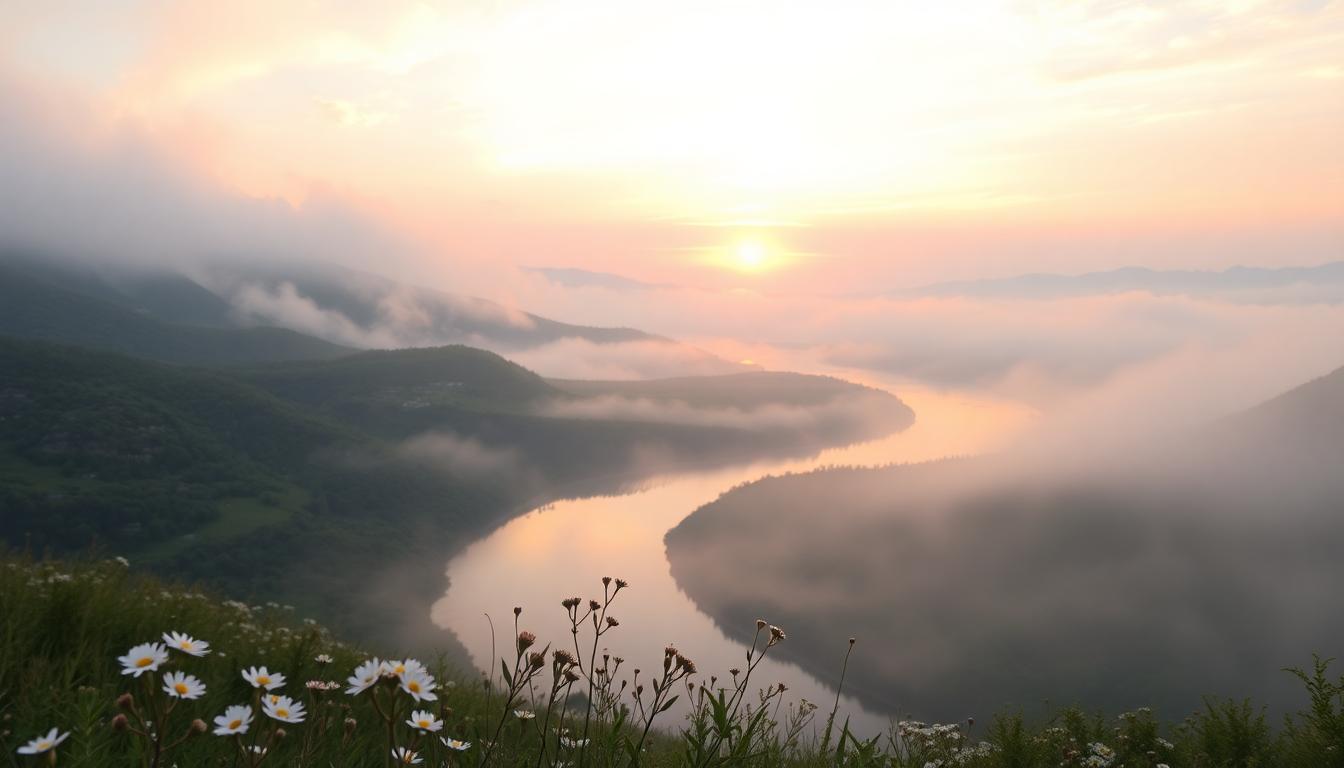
525,640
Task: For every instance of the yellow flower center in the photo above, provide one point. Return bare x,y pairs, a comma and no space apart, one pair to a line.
43,746
181,688
145,662
185,644
235,725
424,723
413,687
282,712
263,680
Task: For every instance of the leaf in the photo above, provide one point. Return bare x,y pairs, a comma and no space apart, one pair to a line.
508,676
668,704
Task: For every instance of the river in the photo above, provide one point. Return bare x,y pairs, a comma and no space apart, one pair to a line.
563,549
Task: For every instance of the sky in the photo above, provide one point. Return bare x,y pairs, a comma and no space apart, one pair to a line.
750,176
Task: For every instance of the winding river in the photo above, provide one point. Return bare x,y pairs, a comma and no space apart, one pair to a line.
563,549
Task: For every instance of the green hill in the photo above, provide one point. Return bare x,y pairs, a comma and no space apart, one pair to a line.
33,307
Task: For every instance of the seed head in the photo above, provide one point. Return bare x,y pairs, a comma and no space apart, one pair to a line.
525,640
120,723
622,583
571,676
606,581
536,660
517,610
593,605
198,727
612,622
564,658
126,701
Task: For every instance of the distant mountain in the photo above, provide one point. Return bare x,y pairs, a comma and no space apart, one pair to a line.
367,310
342,307
571,277
56,306
1197,566
1323,283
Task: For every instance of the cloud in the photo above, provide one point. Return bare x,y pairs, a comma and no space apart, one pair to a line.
76,185
846,411
463,456
573,358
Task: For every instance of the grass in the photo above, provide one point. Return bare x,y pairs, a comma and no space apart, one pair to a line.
63,626
238,516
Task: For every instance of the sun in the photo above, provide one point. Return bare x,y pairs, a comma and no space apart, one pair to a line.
751,255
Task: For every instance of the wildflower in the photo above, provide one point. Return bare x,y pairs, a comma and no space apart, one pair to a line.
322,658
419,685
183,686
124,562
455,745
573,743
524,714
186,643
366,674
404,755
284,709
525,641
44,743
425,721
402,668
146,657
235,720
260,677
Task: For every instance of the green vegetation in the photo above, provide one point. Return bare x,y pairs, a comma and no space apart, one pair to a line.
219,474
32,307
66,626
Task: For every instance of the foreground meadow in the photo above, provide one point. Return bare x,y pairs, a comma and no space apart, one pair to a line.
100,666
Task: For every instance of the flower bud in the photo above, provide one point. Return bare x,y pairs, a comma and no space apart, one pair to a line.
126,701
198,727
120,723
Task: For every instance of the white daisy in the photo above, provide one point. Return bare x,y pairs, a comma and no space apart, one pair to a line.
425,721
366,674
186,643
573,743
322,658
283,708
183,686
524,714
404,755
44,743
419,685
454,744
236,719
146,657
263,678
402,668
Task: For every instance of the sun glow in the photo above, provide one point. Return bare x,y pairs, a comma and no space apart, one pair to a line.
751,255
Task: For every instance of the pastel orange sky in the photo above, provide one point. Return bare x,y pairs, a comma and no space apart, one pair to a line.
740,143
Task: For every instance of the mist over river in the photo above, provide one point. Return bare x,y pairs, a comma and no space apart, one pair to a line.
563,549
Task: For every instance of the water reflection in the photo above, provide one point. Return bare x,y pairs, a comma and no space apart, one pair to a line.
562,550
